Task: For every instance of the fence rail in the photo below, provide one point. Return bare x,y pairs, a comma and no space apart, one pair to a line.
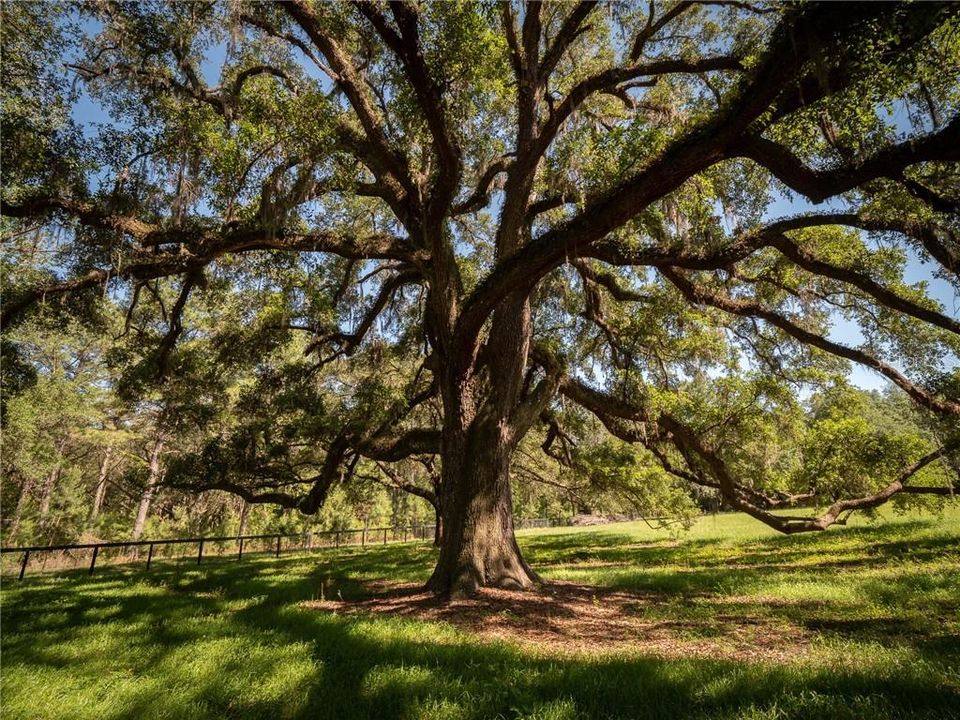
216,545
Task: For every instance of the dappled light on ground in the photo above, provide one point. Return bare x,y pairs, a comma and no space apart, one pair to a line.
572,618
728,621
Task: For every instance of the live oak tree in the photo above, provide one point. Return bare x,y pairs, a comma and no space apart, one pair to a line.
429,230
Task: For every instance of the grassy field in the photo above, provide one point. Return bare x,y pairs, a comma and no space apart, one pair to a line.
728,620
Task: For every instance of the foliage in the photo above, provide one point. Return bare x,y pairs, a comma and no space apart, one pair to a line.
331,253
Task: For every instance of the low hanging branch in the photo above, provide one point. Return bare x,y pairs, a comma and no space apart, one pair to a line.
741,500
397,480
612,412
195,248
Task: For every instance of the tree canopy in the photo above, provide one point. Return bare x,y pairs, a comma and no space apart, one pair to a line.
462,242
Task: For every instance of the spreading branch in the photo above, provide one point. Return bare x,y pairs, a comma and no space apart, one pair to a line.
702,296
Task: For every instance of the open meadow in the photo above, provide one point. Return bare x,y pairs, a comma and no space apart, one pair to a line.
727,620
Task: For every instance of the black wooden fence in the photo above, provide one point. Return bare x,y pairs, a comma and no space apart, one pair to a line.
131,550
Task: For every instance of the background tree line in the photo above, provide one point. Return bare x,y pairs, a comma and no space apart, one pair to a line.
93,452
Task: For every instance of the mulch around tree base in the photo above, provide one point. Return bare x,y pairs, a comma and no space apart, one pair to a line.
570,618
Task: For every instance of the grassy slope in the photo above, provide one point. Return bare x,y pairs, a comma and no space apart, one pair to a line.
231,640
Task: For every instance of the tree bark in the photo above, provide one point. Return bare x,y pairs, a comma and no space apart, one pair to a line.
479,548
101,489
51,483
437,526
152,481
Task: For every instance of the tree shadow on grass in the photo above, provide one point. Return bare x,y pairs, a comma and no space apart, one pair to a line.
232,641
252,639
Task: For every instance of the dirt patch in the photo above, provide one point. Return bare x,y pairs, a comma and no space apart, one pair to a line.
571,618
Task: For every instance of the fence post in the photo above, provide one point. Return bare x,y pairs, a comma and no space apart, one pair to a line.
200,553
363,537
384,536
149,556
240,554
23,565
404,534
337,539
278,546
93,560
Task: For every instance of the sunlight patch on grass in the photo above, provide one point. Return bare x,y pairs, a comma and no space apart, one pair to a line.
876,605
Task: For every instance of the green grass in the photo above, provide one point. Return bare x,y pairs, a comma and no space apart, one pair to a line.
879,605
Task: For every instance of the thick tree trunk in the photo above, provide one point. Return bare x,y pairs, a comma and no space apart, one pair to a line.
101,490
479,548
152,481
482,426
